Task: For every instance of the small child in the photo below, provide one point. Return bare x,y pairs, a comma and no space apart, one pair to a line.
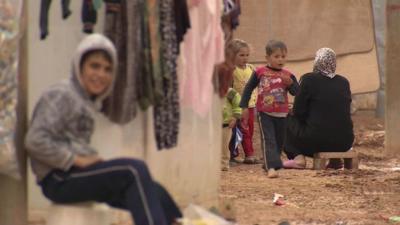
231,113
272,102
241,75
231,99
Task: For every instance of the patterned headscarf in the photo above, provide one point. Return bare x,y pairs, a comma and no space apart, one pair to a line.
325,62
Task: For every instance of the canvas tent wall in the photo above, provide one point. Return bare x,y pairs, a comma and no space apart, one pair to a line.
305,26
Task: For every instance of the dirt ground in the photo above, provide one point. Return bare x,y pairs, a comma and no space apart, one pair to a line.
369,195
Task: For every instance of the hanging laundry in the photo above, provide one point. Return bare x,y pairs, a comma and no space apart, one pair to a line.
235,15
133,27
124,25
44,15
152,91
89,16
182,20
113,5
148,78
230,18
116,107
202,49
193,3
166,114
97,4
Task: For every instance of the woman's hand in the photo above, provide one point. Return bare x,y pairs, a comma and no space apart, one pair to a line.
85,161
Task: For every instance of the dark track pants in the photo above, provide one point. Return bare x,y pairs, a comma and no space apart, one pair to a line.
121,183
272,138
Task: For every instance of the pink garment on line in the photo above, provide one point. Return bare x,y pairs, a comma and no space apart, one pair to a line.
193,3
202,49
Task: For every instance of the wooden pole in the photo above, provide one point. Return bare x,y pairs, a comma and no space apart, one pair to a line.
392,105
379,12
13,193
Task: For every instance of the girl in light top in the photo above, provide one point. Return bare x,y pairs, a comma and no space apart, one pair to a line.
241,75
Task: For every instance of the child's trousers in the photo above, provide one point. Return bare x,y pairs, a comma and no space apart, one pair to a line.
247,141
121,183
272,137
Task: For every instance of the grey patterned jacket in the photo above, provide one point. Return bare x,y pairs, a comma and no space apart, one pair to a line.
62,122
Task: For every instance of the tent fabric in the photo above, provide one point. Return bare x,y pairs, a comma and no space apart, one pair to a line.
343,25
307,25
360,69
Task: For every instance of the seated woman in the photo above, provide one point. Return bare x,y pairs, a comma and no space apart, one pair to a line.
321,120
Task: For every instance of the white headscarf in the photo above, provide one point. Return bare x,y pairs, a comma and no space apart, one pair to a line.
325,62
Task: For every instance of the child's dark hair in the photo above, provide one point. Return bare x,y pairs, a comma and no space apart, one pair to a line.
104,53
273,45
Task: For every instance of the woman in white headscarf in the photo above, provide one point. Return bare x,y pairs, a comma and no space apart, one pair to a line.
321,120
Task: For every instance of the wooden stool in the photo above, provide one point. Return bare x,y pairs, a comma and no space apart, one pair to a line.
88,213
350,159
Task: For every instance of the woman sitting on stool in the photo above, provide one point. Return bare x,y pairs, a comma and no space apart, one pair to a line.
321,120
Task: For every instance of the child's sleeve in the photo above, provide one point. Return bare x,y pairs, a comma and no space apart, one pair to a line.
42,141
46,140
236,110
294,87
248,89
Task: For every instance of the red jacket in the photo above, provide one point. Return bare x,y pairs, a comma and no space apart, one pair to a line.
272,91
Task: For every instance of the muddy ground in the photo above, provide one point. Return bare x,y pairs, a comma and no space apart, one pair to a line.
369,195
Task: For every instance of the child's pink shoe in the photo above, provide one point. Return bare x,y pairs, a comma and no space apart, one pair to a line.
291,164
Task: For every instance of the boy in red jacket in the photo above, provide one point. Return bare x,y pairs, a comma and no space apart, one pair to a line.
272,102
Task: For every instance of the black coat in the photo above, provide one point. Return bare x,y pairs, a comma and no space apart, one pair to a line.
321,120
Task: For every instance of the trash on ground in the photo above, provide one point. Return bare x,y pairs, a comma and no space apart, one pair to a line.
278,199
